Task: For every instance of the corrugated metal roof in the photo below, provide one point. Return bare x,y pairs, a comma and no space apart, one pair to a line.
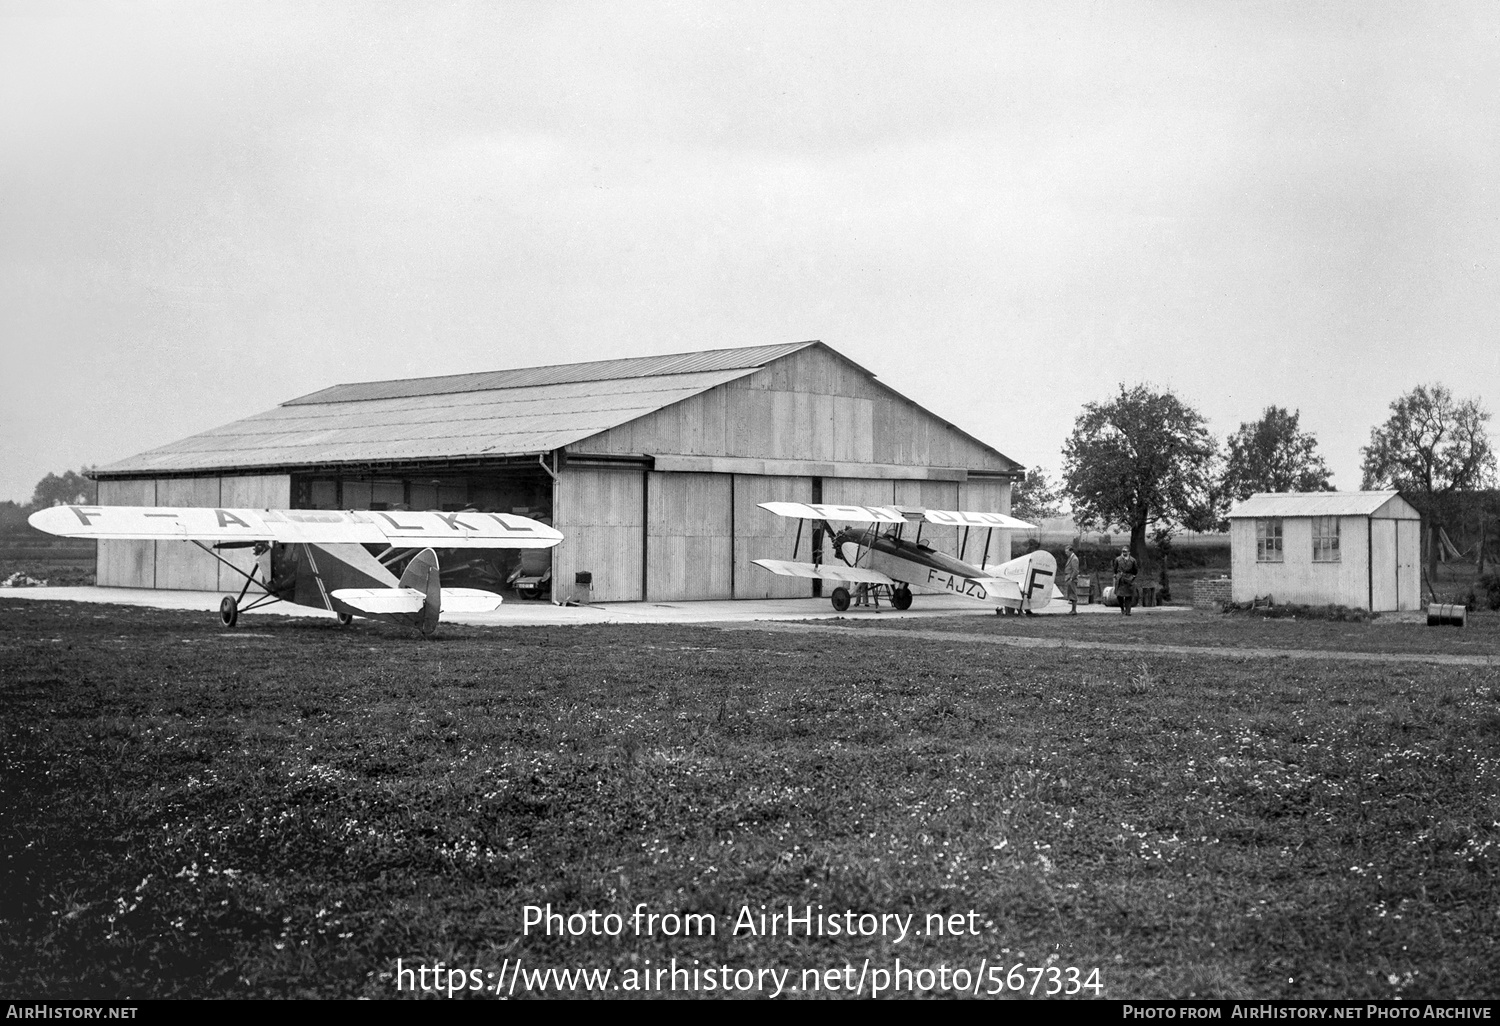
747,358
1312,504
513,420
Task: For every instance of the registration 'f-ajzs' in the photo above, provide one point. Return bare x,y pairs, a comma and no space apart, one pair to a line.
876,550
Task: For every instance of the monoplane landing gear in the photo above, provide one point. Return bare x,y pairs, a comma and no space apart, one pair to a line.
901,598
345,619
840,599
229,611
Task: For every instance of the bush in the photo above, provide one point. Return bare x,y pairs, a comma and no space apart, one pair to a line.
1292,610
1490,582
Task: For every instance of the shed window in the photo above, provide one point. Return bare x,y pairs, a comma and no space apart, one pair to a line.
1268,541
1325,534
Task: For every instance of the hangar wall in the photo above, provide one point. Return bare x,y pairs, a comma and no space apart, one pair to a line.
810,423
689,534
182,565
126,564
811,405
602,515
669,536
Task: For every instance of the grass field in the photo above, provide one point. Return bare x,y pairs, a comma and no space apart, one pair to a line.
287,809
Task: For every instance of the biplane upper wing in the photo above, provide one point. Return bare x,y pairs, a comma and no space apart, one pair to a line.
828,511
401,528
960,518
825,571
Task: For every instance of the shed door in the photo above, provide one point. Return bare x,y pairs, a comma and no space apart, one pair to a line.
1383,565
1408,563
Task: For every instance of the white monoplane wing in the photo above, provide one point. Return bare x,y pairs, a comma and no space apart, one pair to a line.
326,527
827,511
825,571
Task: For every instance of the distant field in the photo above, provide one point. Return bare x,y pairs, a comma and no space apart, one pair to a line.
58,567
289,808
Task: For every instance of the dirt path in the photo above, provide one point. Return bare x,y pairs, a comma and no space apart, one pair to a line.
1144,648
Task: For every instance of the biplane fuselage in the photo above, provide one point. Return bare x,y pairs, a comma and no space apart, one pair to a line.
919,565
874,550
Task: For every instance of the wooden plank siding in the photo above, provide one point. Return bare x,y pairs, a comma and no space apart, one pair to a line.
601,513
986,495
762,535
181,565
126,564
252,491
811,405
689,549
820,415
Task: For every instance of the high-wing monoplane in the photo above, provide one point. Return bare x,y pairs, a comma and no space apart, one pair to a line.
875,550
319,557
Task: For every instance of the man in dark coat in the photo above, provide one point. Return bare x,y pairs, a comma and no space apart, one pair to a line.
1070,579
1126,567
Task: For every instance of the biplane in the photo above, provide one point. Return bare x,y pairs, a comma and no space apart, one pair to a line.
875,550
319,558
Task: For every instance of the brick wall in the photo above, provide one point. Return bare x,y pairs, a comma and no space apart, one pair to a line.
1211,593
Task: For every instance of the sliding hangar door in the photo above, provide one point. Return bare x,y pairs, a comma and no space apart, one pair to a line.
669,536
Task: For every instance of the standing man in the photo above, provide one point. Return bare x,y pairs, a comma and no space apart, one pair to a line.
1126,568
1070,580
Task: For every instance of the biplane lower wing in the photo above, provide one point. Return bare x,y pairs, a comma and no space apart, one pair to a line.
825,571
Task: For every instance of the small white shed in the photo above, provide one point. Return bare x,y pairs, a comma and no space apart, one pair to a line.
1356,549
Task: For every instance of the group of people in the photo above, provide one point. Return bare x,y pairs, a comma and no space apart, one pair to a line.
1125,568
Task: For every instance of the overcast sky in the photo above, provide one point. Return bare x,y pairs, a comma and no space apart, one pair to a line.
1003,210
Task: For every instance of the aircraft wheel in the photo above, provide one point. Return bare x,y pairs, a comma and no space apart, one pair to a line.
229,611
840,599
901,598
345,619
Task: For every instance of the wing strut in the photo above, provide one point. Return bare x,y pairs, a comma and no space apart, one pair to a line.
263,599
983,558
798,543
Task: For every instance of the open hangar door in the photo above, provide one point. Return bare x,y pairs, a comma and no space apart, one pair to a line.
524,489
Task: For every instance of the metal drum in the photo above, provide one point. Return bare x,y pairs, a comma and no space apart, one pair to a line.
1444,615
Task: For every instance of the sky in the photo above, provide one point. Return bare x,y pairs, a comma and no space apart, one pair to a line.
1004,210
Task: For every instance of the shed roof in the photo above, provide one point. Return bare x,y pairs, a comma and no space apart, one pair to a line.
460,416
1317,504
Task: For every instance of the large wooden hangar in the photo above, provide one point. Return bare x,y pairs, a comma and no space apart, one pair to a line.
652,467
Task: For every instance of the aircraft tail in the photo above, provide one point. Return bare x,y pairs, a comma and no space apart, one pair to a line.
422,574
1032,574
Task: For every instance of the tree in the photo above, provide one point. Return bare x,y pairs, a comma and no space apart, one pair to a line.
1431,447
1274,455
68,489
1143,458
1034,498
